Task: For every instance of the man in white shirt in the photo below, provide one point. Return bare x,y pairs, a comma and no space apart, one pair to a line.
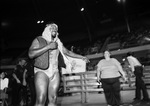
3,81
137,69
3,88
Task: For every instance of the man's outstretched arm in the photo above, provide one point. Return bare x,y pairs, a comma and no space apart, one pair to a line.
74,55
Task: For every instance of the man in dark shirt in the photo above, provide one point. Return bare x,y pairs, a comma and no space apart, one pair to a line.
23,87
30,81
17,82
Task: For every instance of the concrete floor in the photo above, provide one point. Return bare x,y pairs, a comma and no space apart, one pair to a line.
95,99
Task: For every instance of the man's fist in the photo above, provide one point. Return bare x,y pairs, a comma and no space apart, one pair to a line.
53,45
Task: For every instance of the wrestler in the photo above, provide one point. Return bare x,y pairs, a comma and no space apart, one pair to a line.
45,50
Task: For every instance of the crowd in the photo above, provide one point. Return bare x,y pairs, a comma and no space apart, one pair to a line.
126,39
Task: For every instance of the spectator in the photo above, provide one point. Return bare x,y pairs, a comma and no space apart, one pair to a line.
19,91
109,71
3,86
137,69
3,81
129,73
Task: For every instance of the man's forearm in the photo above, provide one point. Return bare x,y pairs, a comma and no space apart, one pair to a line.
98,75
72,54
16,78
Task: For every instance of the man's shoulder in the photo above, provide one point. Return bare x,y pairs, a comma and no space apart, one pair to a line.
18,67
39,37
114,59
5,80
38,40
101,61
131,57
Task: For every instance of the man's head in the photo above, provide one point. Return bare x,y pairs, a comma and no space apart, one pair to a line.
53,28
22,62
2,75
130,54
107,54
50,32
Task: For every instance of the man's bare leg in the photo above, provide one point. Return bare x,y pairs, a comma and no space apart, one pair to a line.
41,85
52,89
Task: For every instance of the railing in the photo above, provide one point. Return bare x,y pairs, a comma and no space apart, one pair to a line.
121,51
86,82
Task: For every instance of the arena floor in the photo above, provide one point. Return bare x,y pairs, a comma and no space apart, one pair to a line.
96,99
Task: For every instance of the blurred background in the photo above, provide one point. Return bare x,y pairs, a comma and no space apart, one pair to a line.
85,26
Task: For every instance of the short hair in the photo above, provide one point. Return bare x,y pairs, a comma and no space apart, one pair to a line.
20,59
130,54
3,72
107,50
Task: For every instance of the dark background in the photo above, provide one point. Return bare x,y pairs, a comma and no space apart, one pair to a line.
19,20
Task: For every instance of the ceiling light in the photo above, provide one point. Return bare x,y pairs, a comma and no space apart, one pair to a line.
82,9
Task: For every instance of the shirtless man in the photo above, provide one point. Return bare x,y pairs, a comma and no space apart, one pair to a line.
45,50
